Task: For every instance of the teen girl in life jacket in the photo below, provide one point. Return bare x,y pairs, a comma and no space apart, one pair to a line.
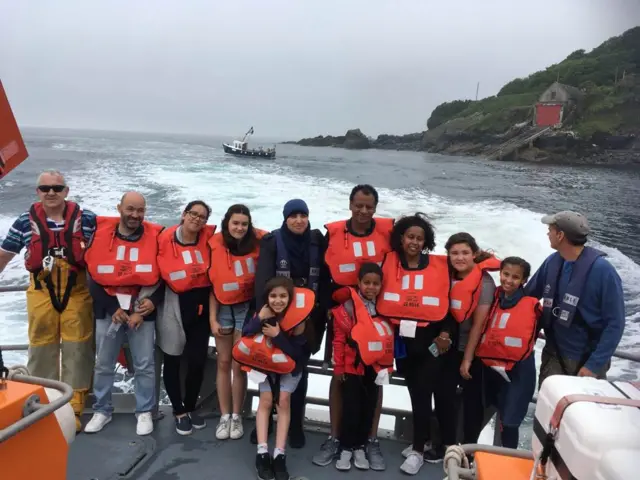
234,256
274,350
415,296
472,293
363,360
506,348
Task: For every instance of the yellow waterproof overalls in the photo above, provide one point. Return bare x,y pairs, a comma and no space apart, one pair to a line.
60,316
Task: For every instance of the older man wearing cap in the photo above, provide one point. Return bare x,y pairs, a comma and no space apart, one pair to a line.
583,303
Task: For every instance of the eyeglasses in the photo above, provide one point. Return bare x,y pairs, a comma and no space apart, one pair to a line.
197,216
48,188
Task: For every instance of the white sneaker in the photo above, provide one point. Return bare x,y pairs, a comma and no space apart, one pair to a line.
344,462
97,423
413,463
145,424
223,430
237,430
409,449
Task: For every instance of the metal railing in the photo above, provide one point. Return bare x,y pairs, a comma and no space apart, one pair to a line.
402,418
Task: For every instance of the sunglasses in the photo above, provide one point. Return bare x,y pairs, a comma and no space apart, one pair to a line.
48,188
197,216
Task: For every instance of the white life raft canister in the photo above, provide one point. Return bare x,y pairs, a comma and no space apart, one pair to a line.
594,441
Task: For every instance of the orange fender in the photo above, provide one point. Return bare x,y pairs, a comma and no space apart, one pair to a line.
40,451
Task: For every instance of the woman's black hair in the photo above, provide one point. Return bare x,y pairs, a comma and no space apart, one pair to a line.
518,262
467,238
369,267
249,242
275,282
419,219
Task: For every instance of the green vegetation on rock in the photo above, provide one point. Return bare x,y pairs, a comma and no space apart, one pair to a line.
609,75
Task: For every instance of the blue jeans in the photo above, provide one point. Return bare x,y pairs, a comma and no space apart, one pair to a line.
141,342
512,399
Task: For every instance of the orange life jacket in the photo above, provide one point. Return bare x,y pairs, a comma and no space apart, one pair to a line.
184,267
509,334
120,266
420,295
258,352
373,336
346,252
232,276
465,294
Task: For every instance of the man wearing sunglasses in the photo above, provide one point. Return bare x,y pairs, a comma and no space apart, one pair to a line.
54,232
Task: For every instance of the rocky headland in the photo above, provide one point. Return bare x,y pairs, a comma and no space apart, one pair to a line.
598,115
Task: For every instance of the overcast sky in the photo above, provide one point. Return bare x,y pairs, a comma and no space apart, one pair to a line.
290,68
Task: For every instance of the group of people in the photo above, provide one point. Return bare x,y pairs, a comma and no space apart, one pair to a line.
388,304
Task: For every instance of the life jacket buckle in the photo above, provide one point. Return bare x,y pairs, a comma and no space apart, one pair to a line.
58,252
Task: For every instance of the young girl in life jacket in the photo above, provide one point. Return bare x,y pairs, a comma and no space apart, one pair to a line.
360,386
278,294
506,348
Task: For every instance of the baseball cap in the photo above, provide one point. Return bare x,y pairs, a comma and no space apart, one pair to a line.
573,224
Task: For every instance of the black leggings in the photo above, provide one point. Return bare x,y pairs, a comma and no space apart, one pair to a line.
195,351
446,400
359,400
298,398
422,373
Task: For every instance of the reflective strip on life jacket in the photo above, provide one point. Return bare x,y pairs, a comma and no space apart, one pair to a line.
510,334
346,252
421,295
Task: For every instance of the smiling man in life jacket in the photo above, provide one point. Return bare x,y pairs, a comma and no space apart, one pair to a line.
54,232
351,243
583,302
122,261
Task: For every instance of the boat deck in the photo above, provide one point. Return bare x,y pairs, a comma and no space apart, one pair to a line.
118,453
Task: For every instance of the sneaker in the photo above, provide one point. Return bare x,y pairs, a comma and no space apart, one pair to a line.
374,455
435,454
344,462
413,463
279,464
237,430
409,449
360,459
223,430
197,421
97,423
263,467
145,423
328,452
183,425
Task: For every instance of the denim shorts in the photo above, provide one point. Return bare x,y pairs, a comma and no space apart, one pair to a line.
288,383
232,316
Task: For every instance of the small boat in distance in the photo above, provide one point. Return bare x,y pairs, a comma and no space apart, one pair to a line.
240,148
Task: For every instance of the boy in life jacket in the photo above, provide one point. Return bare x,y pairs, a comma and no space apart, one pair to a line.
363,359
274,348
506,348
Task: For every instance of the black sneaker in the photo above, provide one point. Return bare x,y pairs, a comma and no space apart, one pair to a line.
254,433
183,425
280,468
197,421
297,438
263,466
435,454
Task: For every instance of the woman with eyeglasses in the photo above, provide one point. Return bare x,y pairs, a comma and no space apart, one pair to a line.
234,254
182,325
